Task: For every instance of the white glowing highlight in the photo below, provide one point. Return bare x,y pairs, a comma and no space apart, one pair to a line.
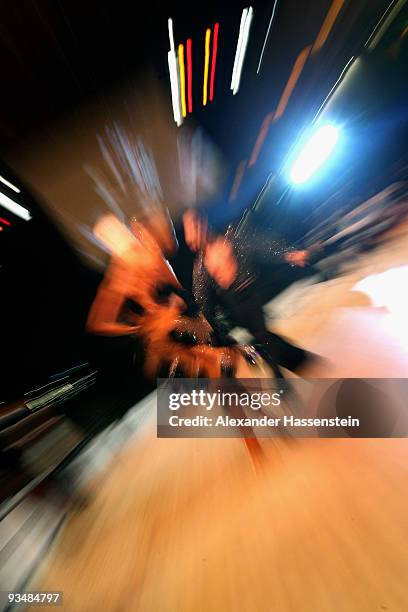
15,208
267,35
384,290
171,34
13,187
353,62
384,23
246,20
175,89
174,77
314,154
241,28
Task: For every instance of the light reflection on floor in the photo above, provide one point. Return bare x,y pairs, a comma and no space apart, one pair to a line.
389,290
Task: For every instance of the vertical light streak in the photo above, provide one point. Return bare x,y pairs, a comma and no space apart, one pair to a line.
238,49
214,60
190,75
242,51
175,93
174,76
171,35
182,80
178,85
206,63
267,36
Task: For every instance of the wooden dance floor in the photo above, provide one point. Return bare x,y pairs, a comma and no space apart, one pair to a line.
319,525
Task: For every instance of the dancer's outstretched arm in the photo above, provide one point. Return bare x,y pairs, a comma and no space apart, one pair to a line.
104,313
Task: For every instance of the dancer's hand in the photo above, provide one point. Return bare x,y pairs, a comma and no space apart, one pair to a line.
298,258
221,263
195,230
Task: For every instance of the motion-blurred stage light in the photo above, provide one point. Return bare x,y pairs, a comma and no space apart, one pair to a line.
313,155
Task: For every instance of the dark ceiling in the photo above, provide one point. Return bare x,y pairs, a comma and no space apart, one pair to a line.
56,54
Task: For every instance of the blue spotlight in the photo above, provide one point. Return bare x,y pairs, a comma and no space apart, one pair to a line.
313,155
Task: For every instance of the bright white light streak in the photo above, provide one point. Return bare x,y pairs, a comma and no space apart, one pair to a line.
171,34
382,25
314,154
342,76
237,52
13,187
275,4
242,51
15,208
174,76
175,90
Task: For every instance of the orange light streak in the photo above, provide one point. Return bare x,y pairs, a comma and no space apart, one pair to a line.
327,25
291,84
